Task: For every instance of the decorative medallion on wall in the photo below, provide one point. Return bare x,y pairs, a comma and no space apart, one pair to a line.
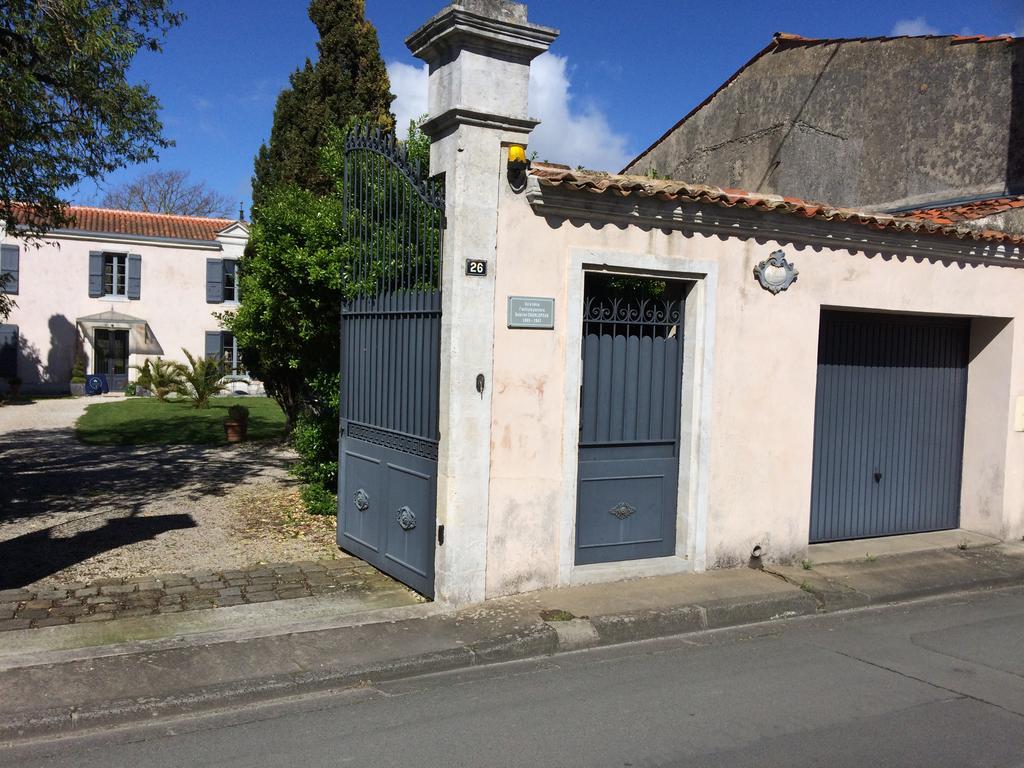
406,519
622,510
775,274
361,499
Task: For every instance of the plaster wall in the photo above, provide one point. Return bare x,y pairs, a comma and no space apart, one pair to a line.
756,373
54,293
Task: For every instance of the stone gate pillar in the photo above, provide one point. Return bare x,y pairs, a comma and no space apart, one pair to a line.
479,54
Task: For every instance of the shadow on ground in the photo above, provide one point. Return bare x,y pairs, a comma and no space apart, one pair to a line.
42,553
47,472
89,499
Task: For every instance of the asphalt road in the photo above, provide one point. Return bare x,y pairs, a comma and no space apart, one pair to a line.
936,683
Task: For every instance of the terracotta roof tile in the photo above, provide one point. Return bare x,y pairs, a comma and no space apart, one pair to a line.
976,209
162,225
642,186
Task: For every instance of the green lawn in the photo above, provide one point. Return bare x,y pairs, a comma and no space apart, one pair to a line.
145,420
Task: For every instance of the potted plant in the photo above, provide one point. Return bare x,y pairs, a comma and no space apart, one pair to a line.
236,425
14,382
77,384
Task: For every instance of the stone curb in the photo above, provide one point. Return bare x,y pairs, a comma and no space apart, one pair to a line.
541,639
536,641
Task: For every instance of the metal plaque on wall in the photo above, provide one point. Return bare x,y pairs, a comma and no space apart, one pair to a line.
531,312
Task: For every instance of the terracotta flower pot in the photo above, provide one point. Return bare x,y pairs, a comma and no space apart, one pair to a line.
236,431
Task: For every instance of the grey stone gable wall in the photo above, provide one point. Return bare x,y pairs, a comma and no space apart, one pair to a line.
861,124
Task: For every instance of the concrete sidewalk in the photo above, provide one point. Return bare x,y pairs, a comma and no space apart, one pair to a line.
53,680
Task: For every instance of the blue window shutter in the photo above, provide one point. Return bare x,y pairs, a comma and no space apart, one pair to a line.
95,273
8,351
214,347
134,283
10,256
214,281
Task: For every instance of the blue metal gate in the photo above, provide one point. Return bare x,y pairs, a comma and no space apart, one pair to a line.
629,419
390,340
889,425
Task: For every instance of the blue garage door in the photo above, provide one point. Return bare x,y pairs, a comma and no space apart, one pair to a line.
889,425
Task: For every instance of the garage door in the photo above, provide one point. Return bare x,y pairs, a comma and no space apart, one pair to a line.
889,425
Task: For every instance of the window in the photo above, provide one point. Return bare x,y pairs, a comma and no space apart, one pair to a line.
230,345
223,346
231,292
115,271
10,255
222,281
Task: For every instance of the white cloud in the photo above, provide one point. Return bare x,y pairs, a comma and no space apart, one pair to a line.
409,84
918,26
568,133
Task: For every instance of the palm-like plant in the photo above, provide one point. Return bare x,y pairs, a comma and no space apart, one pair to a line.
159,376
200,379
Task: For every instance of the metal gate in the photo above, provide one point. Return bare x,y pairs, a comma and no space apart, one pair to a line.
629,419
390,341
889,425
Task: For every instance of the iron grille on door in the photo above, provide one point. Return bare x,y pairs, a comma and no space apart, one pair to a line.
391,324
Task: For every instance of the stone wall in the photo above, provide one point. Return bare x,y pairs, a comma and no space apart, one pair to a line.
876,124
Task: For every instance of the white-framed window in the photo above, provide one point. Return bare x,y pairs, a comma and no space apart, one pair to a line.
115,274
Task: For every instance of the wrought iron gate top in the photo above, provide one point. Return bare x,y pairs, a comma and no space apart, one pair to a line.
395,216
385,144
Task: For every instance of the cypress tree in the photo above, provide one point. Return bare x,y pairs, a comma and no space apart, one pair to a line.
349,80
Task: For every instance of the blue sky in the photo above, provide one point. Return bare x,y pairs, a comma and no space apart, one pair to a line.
620,74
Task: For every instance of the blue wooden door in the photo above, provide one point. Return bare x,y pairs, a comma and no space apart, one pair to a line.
889,425
629,419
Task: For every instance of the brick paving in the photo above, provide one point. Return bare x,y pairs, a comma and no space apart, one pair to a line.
106,599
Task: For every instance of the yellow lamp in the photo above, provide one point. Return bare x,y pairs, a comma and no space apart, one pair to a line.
517,156
517,165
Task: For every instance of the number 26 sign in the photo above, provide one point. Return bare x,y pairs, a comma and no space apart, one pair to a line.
476,267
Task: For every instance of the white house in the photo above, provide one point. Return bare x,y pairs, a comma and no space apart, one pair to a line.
115,288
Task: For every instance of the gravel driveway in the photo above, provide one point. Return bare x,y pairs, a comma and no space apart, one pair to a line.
70,511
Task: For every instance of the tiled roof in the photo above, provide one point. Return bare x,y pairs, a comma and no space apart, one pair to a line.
976,209
786,37
161,225
781,40
623,186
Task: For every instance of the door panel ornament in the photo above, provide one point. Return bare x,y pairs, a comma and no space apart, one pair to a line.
622,510
406,518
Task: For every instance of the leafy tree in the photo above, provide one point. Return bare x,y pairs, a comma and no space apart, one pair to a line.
291,284
348,80
168,192
67,111
200,379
